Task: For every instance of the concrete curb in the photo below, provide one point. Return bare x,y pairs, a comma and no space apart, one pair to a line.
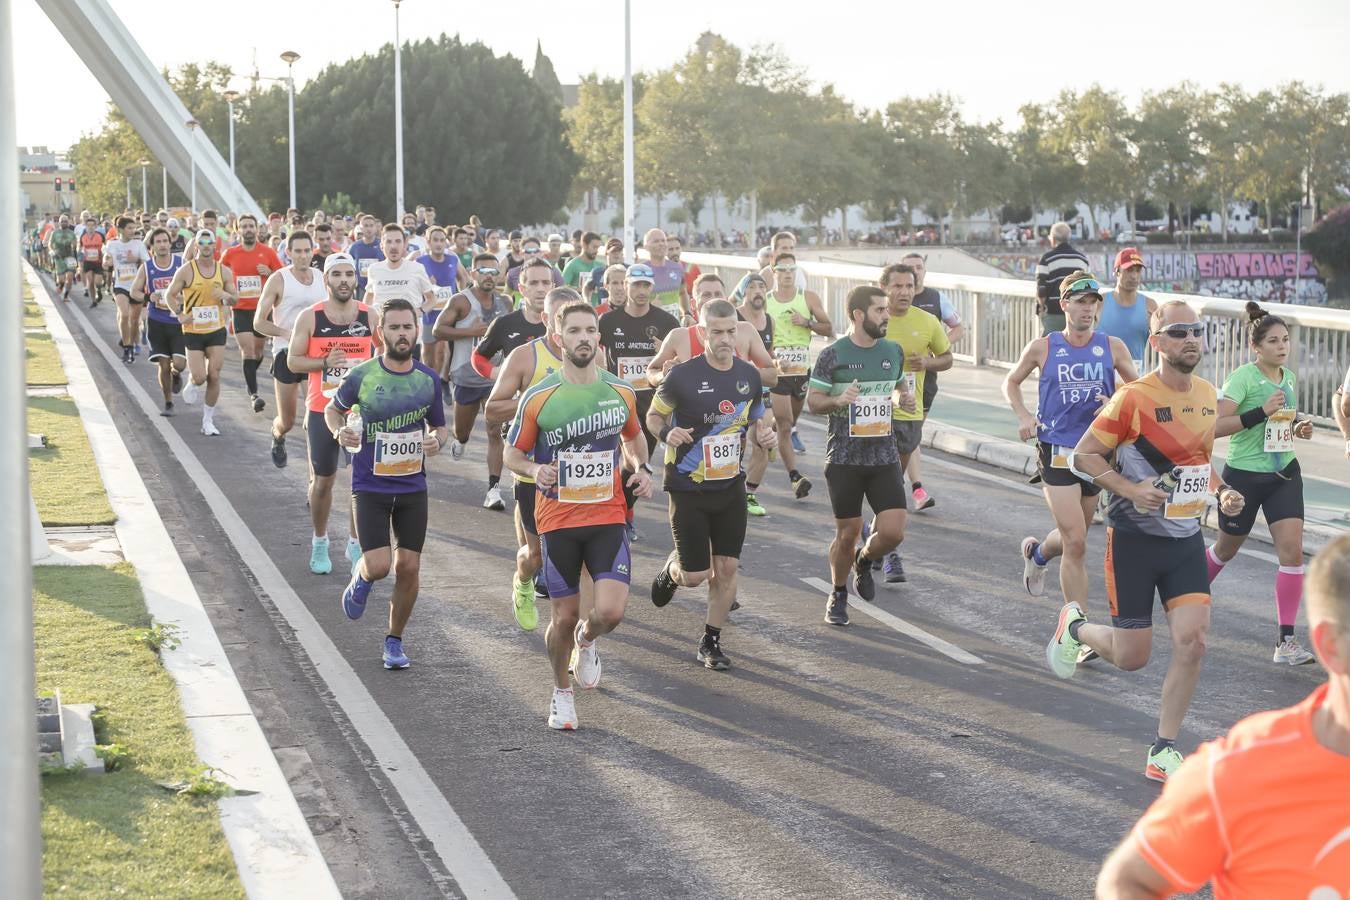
273,848
1021,458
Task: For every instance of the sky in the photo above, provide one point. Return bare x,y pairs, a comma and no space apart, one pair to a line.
994,56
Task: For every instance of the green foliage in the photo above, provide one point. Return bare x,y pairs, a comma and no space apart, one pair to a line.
1329,241
159,636
113,755
340,204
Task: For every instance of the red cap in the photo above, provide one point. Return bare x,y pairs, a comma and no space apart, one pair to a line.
1127,257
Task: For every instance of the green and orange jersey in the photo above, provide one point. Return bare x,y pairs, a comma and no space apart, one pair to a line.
1154,429
578,427
1259,812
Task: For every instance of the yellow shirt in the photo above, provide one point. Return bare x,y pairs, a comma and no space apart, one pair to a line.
205,313
917,332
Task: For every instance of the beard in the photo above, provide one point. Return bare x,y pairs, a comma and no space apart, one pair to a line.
873,330
580,357
1183,366
394,352
341,294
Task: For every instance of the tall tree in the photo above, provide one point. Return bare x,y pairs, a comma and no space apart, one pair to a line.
1093,129
1042,177
1166,134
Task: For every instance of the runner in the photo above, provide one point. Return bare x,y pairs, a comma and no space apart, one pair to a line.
553,252
1079,368
1254,812
685,343
1122,315
466,322
463,251
856,381
597,287
91,243
446,278
923,342
388,411
613,290
366,251
326,341
631,337
530,250
668,292
579,268
1161,428
796,314
287,293
754,290
123,257
164,330
572,423
702,411
201,293
252,264
1258,406
397,276
60,244
674,247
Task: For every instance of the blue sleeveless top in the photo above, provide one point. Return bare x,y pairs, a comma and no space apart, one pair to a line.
157,279
1129,323
1071,381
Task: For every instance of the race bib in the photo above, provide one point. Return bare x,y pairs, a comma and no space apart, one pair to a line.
633,369
126,272
1059,456
721,456
363,265
91,254
585,476
160,294
249,285
443,295
1138,365
206,316
1280,431
398,454
331,379
70,261
791,360
870,416
1190,496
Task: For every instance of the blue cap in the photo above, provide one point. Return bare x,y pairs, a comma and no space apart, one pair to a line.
641,272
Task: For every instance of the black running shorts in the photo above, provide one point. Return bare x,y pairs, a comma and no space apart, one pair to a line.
376,513
1277,494
882,486
325,453
1060,476
707,524
201,342
166,340
282,372
602,549
1139,565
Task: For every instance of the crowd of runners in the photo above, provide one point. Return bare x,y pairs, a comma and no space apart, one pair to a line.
598,383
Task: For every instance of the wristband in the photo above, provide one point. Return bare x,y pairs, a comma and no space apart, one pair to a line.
646,468
1253,417
663,432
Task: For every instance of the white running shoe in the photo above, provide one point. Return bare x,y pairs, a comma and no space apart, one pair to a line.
209,429
493,500
1033,576
456,448
191,392
1291,653
585,660
562,712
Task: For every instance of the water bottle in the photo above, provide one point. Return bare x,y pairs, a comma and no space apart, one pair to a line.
354,423
1164,482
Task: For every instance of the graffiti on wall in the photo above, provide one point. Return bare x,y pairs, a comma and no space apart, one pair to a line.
1311,291
1019,265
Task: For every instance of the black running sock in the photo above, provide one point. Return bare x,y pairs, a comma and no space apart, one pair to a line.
493,479
751,487
915,485
251,374
1075,626
397,637
794,475
1286,632
710,631
840,590
1162,743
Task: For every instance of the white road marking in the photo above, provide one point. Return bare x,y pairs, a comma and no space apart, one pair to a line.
462,855
907,628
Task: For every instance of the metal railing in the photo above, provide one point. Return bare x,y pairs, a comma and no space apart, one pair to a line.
1000,318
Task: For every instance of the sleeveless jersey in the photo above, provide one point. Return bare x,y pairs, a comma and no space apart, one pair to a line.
1071,381
295,299
1129,323
354,339
765,333
205,313
546,362
790,342
461,351
157,279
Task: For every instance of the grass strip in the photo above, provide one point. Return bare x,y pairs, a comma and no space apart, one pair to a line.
63,476
42,365
121,834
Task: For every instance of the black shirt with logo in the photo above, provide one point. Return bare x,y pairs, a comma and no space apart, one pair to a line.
506,333
632,342
717,407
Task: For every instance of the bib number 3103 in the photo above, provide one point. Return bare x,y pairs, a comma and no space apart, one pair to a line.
398,453
585,476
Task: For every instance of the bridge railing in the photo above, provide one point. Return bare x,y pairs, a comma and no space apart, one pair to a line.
1000,318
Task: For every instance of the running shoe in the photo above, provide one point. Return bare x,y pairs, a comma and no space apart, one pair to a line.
176,381
893,568
279,451
456,448
320,563
1162,764
126,353
836,608
797,444
1062,651
394,657
866,533
663,586
1086,654
585,660
522,605
711,655
210,430
801,487
191,392
1033,574
540,586
923,500
257,402
493,499
633,534
1291,653
752,506
167,410
562,711
353,554
735,605
356,594
864,585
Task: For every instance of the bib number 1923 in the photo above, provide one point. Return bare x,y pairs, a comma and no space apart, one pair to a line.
585,476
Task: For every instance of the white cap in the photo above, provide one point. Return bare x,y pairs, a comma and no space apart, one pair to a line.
337,259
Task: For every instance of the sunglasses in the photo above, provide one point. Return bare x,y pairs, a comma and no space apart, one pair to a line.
1181,332
488,270
785,268
205,243
530,250
1083,285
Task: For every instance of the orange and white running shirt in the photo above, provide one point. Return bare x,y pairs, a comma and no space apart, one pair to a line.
1262,812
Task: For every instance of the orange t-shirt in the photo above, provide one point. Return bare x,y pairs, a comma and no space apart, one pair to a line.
1263,812
244,264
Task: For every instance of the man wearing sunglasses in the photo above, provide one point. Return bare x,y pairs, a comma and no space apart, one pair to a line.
200,295
1161,431
1079,369
530,248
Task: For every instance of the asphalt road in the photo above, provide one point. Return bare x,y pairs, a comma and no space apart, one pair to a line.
857,762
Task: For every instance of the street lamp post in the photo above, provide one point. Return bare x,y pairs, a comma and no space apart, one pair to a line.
230,97
164,174
629,235
289,58
192,157
398,119
145,194
128,192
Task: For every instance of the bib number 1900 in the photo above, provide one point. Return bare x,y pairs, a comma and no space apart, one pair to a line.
398,453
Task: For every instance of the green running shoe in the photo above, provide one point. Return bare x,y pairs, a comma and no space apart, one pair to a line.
1162,764
1062,651
527,615
752,506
